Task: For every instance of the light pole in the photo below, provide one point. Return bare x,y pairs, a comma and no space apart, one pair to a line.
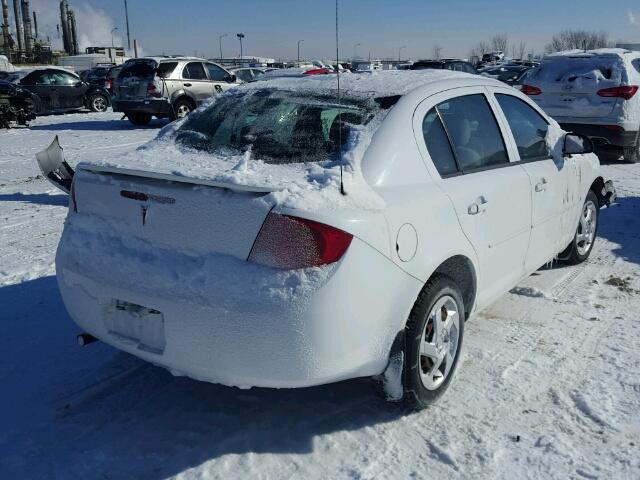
220,37
355,50
240,37
126,16
113,30
299,42
400,50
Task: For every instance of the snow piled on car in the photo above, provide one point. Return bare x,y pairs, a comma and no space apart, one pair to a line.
297,185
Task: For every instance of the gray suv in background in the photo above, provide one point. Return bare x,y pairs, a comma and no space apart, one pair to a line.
167,87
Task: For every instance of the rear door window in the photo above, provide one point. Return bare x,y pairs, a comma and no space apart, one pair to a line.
528,127
194,71
473,132
165,69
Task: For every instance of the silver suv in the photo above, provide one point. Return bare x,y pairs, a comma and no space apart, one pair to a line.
167,86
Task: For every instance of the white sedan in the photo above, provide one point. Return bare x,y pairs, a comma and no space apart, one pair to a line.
286,237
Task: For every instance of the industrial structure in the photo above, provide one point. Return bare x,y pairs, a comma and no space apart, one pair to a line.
22,44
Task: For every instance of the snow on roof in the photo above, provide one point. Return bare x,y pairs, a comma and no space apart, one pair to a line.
619,52
377,83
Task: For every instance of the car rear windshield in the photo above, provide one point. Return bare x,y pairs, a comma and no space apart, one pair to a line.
277,126
147,69
568,69
427,65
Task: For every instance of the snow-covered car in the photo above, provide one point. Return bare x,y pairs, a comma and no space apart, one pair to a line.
280,237
592,93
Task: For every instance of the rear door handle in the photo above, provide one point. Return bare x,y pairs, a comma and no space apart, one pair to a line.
541,186
187,84
477,206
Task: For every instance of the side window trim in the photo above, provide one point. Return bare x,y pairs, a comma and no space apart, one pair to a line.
453,150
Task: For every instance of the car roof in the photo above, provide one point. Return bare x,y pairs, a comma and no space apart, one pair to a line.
600,52
380,83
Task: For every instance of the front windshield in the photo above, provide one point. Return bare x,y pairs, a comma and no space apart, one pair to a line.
276,126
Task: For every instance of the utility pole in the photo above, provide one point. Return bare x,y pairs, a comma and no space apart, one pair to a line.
126,16
220,37
299,41
240,37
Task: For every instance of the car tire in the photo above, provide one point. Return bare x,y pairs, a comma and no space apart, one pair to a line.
432,343
98,103
581,246
139,119
181,108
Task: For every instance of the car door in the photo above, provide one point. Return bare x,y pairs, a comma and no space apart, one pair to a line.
464,148
70,90
219,78
39,83
548,177
196,82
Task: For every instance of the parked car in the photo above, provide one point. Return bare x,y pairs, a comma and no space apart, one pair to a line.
60,90
455,65
96,75
247,74
508,74
167,87
266,275
593,93
17,105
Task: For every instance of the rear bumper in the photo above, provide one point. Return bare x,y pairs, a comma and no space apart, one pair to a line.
603,136
278,329
152,106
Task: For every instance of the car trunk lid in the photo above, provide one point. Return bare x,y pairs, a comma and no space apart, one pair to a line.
190,215
570,85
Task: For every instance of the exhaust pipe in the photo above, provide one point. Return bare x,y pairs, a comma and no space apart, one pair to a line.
85,339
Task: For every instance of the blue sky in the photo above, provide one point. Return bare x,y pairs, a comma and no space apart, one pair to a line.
272,28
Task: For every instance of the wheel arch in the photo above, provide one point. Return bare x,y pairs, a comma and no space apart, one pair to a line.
461,270
598,187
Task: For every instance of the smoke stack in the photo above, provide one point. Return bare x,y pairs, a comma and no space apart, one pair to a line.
65,26
73,37
28,34
5,24
35,25
17,12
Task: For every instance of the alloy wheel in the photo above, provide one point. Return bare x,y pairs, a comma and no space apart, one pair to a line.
586,228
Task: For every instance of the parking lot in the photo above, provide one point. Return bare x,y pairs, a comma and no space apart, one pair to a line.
549,385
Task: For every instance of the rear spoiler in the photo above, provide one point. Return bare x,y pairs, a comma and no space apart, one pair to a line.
56,169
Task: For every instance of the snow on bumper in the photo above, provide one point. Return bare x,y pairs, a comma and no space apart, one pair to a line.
227,321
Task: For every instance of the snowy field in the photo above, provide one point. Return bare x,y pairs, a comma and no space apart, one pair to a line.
549,385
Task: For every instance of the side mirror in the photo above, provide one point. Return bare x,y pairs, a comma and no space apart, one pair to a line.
231,78
576,144
79,84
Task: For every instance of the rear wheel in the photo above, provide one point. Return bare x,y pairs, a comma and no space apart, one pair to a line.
182,108
580,247
98,103
139,118
434,335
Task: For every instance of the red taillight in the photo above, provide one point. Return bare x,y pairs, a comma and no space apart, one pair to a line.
74,204
614,128
625,91
108,83
291,242
530,90
152,90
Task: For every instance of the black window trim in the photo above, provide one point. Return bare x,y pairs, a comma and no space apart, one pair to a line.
541,158
206,72
460,171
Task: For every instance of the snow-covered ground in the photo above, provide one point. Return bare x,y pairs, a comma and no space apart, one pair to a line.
549,385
